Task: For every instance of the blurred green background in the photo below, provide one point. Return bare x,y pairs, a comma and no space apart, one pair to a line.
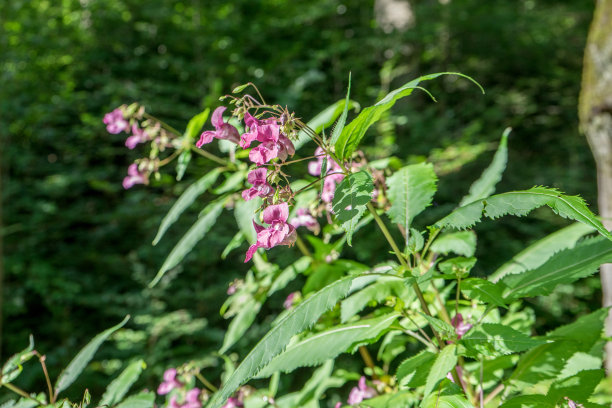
77,255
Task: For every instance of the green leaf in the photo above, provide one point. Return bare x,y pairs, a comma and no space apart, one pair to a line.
350,200
492,339
234,243
399,399
233,183
117,389
410,190
190,239
520,203
244,213
356,129
485,185
539,252
565,267
142,400
240,88
184,201
240,324
182,163
460,243
445,329
324,120
384,287
413,371
318,348
578,388
195,124
80,361
458,266
289,273
450,396
483,290
342,120
298,319
13,367
528,401
446,361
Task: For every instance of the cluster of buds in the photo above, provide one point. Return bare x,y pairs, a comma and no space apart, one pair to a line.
180,395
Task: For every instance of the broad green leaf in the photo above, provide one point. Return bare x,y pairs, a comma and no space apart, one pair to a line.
528,401
521,203
566,266
356,129
324,120
13,367
240,324
289,273
446,360
410,190
483,290
350,200
316,349
182,163
190,239
578,362
450,396
184,201
540,251
459,242
384,287
142,400
244,213
413,371
492,339
342,120
117,389
195,124
83,357
458,266
298,319
578,388
485,185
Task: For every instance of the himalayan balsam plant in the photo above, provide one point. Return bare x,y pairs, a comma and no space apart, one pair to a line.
427,332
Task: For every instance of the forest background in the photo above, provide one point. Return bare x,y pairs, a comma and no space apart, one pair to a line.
76,253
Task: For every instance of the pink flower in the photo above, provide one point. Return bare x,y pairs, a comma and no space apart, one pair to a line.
138,136
192,399
115,122
173,403
333,172
361,392
170,382
232,403
460,326
134,177
222,130
273,143
338,405
288,303
278,233
261,188
303,218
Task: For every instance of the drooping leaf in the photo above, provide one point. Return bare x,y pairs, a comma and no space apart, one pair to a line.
184,201
83,357
410,190
540,251
566,266
142,400
385,286
182,163
190,239
117,389
485,185
13,367
485,291
341,120
459,242
195,124
446,360
492,339
350,200
318,348
240,324
521,203
413,371
356,129
300,318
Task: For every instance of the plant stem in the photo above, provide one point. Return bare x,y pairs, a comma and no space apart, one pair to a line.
209,156
302,247
169,158
19,391
207,383
164,124
42,359
493,393
367,358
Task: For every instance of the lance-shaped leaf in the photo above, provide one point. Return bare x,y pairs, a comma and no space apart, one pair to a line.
80,361
354,131
446,360
521,203
13,367
195,124
190,239
565,267
184,201
341,120
485,185
318,348
411,190
117,389
459,242
240,324
485,291
289,273
413,371
142,400
298,319
350,200
492,339
182,163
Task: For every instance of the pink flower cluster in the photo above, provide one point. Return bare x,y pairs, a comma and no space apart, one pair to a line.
304,218
119,121
460,326
192,397
279,232
333,171
359,393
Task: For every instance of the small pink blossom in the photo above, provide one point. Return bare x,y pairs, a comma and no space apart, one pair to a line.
273,143
460,326
333,173
134,177
278,233
115,122
288,303
192,399
170,382
303,218
222,130
338,405
233,403
138,136
361,392
174,403
261,188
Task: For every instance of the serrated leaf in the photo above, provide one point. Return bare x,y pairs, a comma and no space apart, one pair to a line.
485,185
578,388
446,360
460,243
342,120
13,367
356,129
540,251
195,124
184,201
190,239
410,191
413,371
485,291
492,339
385,286
445,329
117,389
83,357
528,401
324,120
350,200
240,324
142,400
521,203
318,348
298,319
566,266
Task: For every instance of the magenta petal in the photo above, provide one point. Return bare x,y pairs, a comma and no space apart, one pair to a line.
133,170
257,176
217,117
268,133
250,252
247,138
276,213
250,194
258,228
206,137
170,374
228,132
250,121
193,395
132,141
